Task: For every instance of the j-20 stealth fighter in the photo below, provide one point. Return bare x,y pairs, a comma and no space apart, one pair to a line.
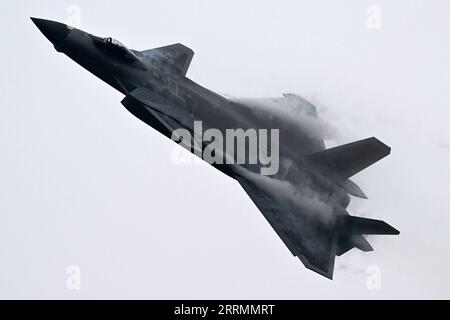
305,201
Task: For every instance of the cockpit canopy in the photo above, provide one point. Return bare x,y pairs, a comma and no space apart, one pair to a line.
119,50
109,40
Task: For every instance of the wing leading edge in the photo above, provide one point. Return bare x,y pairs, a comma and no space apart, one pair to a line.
304,235
314,233
177,57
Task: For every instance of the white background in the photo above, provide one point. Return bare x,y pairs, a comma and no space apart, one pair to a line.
83,182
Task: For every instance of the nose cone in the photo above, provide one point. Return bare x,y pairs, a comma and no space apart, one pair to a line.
54,31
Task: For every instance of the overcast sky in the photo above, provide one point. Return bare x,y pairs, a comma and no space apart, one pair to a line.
84,183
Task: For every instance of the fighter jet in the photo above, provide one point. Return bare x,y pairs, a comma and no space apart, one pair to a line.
305,200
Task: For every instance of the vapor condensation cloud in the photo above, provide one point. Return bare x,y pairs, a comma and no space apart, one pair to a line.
295,111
